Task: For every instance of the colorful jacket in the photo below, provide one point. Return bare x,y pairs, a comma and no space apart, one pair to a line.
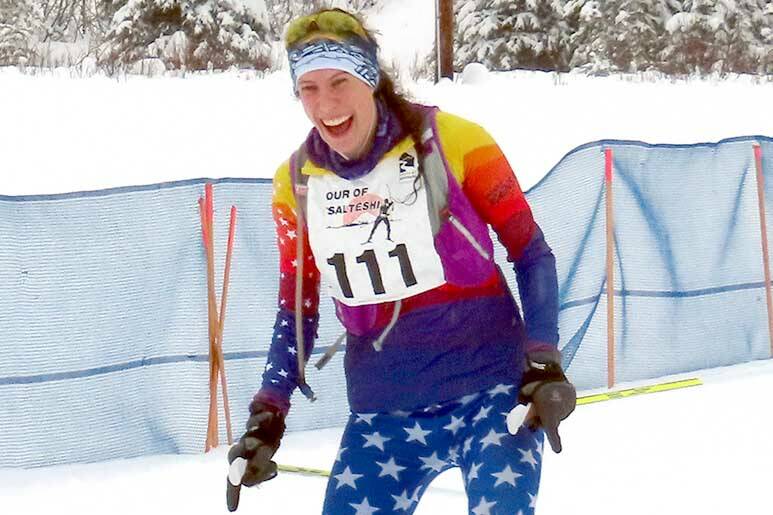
458,338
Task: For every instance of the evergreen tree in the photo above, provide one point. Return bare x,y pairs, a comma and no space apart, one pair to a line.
744,36
192,35
720,36
588,39
691,47
634,30
510,34
20,29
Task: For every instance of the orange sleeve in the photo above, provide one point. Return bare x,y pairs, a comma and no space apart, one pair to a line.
283,210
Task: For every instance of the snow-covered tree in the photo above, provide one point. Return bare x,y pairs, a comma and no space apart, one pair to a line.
634,33
509,34
588,41
20,28
720,36
619,35
193,35
744,36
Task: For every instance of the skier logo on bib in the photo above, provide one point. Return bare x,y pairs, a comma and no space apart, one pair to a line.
383,217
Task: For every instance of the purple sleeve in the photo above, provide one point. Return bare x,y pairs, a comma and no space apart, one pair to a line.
280,377
535,270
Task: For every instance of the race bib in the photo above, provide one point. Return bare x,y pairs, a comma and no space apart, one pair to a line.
371,236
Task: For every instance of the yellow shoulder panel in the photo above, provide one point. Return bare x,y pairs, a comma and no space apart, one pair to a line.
459,138
283,186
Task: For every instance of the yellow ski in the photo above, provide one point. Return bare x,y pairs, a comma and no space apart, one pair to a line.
586,399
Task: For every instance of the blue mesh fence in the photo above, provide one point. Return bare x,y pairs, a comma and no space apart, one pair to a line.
104,313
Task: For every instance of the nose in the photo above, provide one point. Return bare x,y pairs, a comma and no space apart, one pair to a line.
327,102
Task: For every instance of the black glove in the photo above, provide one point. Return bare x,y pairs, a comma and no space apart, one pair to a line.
551,395
250,458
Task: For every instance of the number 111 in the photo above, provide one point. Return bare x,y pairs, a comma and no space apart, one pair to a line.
374,270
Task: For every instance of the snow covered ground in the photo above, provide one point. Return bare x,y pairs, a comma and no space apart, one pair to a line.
703,450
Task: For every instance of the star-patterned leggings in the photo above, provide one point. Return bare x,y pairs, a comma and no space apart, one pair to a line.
387,460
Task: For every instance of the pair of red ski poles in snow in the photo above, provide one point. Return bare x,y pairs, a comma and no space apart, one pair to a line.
216,317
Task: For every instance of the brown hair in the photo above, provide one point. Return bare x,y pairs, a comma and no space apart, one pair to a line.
410,116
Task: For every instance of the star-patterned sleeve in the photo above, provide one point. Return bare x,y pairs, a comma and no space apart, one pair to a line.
491,186
280,377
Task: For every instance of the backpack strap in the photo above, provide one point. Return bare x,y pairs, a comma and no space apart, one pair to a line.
300,190
435,173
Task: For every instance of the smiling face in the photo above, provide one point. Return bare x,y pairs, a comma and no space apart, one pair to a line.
342,108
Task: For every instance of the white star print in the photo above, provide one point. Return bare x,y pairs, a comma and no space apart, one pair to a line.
454,425
540,447
365,417
295,263
375,440
528,457
283,222
403,502
307,303
492,438
282,275
500,389
282,372
467,445
473,474
468,398
432,462
364,508
284,323
532,500
416,433
269,366
282,302
347,478
279,336
390,468
291,349
506,476
274,381
291,234
340,452
483,413
453,454
281,241
484,507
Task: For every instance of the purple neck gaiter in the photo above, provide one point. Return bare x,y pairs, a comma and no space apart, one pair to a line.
389,132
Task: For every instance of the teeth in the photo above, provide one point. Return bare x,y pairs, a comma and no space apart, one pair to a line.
335,121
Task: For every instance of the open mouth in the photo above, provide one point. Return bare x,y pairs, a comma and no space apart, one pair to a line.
338,126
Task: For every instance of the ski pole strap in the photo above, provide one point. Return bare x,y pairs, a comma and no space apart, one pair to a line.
330,352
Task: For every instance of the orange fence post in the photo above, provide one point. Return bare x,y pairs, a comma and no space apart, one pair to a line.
209,244
610,235
221,321
764,239
216,320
